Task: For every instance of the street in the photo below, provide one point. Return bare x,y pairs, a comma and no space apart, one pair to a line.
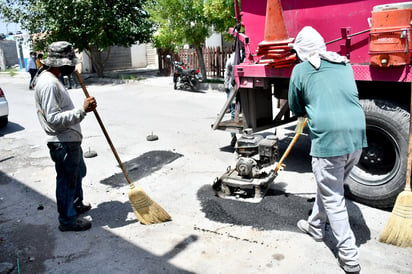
207,234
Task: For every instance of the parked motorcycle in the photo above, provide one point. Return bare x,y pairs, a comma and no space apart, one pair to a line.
185,78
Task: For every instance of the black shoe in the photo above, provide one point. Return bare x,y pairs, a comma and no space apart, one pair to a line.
82,208
79,225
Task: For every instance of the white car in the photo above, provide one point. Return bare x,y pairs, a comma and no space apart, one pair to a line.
4,109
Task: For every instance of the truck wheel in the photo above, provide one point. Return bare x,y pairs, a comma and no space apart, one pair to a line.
194,84
380,174
3,121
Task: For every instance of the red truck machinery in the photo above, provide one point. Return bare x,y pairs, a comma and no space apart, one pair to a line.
376,37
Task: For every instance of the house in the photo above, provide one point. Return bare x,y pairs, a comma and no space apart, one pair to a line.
15,51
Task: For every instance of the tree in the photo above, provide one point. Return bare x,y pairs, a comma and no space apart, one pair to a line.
93,26
221,14
188,22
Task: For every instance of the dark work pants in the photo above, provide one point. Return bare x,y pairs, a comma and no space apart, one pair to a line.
32,74
70,169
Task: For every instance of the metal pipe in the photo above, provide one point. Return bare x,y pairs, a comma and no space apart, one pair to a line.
349,35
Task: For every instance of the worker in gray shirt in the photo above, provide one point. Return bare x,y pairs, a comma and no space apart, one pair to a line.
60,119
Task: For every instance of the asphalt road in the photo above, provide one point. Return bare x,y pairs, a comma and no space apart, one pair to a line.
206,235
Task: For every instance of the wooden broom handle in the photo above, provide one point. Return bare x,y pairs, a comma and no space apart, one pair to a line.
86,93
408,169
287,151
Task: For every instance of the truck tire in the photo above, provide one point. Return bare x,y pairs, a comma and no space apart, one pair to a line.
194,84
3,121
380,174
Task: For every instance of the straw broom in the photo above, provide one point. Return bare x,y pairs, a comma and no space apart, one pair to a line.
398,230
146,210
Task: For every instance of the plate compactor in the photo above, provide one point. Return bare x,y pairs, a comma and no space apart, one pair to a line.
251,178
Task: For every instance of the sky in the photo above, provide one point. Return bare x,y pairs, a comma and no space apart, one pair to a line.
8,27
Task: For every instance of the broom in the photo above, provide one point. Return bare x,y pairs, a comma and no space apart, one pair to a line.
146,210
398,230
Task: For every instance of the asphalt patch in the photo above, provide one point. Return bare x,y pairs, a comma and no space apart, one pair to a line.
142,166
278,210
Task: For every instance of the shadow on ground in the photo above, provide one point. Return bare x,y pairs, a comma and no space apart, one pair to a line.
31,243
10,128
228,149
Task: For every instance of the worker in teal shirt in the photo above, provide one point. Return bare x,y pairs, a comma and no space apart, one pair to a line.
322,87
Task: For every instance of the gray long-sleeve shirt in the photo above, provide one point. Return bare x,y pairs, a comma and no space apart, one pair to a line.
56,112
228,72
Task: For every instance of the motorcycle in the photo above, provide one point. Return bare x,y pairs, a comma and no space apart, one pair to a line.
185,78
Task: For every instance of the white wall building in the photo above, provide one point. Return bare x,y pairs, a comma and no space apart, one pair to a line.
214,41
136,56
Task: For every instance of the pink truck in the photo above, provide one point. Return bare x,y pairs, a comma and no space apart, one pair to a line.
376,36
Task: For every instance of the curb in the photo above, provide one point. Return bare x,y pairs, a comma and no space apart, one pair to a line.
212,86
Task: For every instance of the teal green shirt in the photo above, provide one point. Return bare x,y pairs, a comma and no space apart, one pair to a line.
329,97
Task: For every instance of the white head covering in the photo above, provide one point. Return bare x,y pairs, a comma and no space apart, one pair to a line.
310,46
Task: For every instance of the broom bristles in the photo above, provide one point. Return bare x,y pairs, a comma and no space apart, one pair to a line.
146,210
398,230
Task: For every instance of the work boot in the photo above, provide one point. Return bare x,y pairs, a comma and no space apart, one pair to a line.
82,207
79,225
303,226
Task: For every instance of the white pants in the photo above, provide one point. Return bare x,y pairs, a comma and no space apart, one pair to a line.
330,173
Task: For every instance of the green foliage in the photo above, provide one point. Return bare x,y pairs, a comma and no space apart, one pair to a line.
221,14
190,22
181,22
11,71
91,25
215,81
132,77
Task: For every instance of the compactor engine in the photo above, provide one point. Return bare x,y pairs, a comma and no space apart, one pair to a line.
253,172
